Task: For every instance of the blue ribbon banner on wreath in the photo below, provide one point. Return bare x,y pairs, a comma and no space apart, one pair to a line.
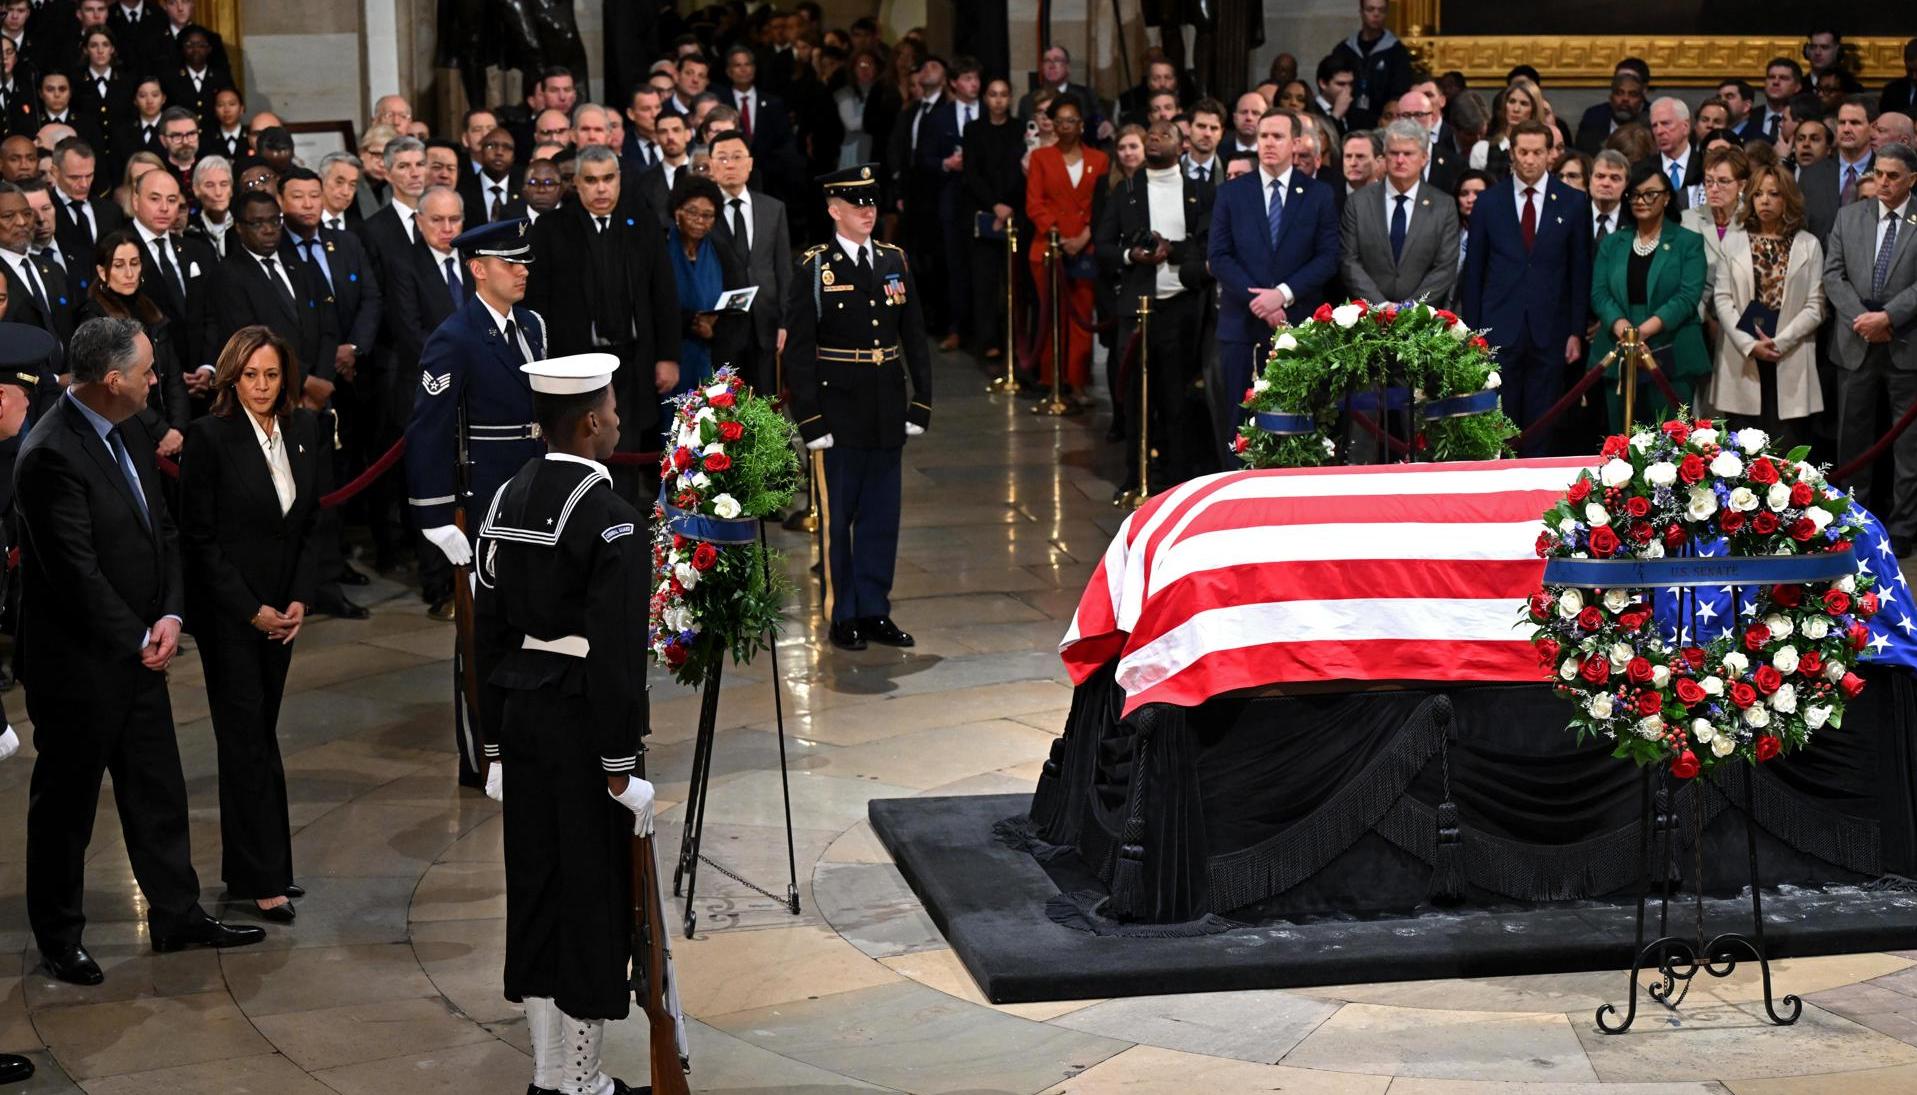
1395,399
711,530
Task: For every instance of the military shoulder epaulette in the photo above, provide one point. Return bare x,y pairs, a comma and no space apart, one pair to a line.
818,249
890,246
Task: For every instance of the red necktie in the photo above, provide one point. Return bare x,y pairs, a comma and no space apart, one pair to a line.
745,117
1530,220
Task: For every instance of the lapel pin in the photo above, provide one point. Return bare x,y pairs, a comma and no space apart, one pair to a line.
1560,220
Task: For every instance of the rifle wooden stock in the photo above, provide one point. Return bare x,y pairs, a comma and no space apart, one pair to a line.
649,934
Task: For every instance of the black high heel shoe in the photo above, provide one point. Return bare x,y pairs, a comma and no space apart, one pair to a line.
278,914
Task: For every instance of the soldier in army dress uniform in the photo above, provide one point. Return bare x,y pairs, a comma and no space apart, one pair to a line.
563,568
469,381
855,334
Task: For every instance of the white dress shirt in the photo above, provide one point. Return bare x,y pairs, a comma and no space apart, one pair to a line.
277,272
1391,204
1265,179
500,320
277,465
852,251
967,114
1883,225
744,198
1537,199
406,215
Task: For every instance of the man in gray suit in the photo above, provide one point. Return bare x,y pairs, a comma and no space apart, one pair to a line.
1399,238
754,225
1870,277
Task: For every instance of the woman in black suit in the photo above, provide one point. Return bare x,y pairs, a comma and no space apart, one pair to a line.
249,487
994,182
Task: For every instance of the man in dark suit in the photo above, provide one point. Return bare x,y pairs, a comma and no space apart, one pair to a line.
97,537
140,36
762,118
36,286
81,218
495,183
176,274
1442,162
1676,160
391,232
1055,72
926,166
764,250
603,281
1152,235
1625,105
346,274
1783,78
1527,278
257,285
654,184
1273,248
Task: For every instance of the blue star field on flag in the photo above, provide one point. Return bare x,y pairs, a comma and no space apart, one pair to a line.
1893,631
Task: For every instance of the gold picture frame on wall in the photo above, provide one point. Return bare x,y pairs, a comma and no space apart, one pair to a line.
1587,59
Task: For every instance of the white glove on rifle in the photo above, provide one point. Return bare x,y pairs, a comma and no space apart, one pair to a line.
637,798
451,542
821,444
495,782
913,429
9,743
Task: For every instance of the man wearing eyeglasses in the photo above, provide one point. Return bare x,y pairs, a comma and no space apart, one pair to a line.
256,285
540,191
1441,162
180,133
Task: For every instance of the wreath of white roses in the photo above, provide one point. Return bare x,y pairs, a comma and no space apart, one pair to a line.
1777,672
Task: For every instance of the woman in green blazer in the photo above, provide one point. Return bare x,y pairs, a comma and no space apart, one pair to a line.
1651,279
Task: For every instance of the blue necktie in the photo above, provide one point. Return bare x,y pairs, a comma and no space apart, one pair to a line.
454,285
132,475
1275,212
1677,180
1397,229
1880,273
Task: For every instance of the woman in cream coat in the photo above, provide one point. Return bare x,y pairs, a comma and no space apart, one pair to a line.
1770,383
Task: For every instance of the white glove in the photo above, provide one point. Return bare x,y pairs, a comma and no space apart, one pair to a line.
9,743
495,782
913,429
638,799
450,541
821,444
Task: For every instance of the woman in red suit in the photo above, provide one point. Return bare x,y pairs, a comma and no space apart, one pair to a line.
1059,186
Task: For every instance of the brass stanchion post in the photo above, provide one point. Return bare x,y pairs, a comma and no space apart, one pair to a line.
1054,404
1009,382
1132,499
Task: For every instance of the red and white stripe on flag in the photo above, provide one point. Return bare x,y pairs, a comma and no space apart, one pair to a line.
1388,572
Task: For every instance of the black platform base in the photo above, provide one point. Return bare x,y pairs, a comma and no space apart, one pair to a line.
996,906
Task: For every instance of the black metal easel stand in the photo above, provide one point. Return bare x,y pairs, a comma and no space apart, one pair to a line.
1679,958
698,788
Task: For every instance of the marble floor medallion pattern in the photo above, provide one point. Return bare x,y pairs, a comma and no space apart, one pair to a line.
389,982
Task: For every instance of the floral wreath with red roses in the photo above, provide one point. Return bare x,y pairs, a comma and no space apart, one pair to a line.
1785,670
729,461
1419,355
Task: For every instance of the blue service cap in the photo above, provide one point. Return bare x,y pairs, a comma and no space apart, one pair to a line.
499,240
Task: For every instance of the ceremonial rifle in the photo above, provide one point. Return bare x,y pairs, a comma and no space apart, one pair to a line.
463,597
651,970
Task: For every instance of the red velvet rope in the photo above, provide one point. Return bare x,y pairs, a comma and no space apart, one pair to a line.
1564,403
1876,451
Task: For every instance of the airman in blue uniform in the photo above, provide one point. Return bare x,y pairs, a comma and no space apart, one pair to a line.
474,406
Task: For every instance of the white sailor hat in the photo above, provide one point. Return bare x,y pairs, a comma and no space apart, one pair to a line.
576,374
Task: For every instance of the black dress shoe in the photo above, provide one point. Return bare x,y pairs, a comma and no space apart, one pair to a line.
881,629
342,608
294,889
441,609
208,932
350,577
71,963
845,635
14,1068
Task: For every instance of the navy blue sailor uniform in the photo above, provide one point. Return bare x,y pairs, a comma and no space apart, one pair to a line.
858,368
563,566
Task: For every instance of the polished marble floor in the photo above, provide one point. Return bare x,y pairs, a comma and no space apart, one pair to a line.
389,982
